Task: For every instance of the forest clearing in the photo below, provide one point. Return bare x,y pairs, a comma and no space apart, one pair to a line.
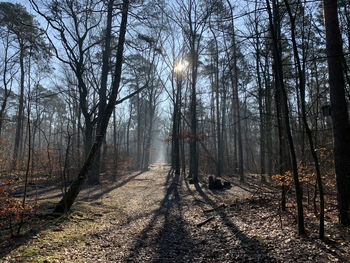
174,131
157,216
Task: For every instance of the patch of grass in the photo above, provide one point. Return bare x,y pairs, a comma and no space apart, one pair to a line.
68,235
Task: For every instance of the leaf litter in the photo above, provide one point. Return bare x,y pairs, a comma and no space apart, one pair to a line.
157,216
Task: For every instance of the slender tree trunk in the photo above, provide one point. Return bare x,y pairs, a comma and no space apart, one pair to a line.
216,83
148,142
237,119
79,150
218,122
224,146
102,92
261,107
176,126
235,144
268,118
128,133
115,149
183,152
27,171
280,83
19,125
5,83
301,76
138,140
193,174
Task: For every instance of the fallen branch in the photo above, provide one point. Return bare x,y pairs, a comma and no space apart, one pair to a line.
216,208
206,221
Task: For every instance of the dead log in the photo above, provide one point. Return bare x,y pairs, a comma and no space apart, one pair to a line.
206,221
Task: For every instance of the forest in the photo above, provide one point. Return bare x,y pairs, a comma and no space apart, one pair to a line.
174,131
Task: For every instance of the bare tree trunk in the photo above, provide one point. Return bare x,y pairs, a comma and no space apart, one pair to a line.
218,119
68,199
216,83
138,140
7,92
148,137
193,173
301,76
280,85
128,133
339,109
102,92
237,119
27,171
268,116
224,147
176,126
261,107
20,113
115,147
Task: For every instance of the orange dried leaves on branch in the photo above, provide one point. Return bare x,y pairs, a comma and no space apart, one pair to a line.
11,209
284,179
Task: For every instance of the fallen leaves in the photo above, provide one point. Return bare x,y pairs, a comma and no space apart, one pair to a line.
138,223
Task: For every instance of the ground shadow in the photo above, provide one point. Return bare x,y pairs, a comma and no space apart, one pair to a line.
253,248
8,245
172,242
98,191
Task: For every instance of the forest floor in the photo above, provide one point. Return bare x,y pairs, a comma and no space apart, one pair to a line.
156,216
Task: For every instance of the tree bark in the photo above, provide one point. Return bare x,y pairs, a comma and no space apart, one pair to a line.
193,173
261,107
176,127
339,109
20,114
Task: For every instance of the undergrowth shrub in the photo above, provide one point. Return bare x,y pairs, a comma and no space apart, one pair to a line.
12,211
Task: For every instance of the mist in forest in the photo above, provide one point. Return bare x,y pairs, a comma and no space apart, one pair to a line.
159,151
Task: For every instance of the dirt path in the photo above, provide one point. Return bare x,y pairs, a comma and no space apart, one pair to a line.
160,224
158,217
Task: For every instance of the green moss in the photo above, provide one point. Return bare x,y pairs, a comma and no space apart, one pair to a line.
30,252
67,232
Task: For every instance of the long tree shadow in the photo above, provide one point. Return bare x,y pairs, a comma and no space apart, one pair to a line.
172,242
8,245
328,245
253,248
105,189
37,191
253,185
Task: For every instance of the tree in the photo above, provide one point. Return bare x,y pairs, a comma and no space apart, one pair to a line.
255,22
301,82
68,199
281,88
192,20
339,108
8,72
235,98
178,73
76,27
214,49
17,21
